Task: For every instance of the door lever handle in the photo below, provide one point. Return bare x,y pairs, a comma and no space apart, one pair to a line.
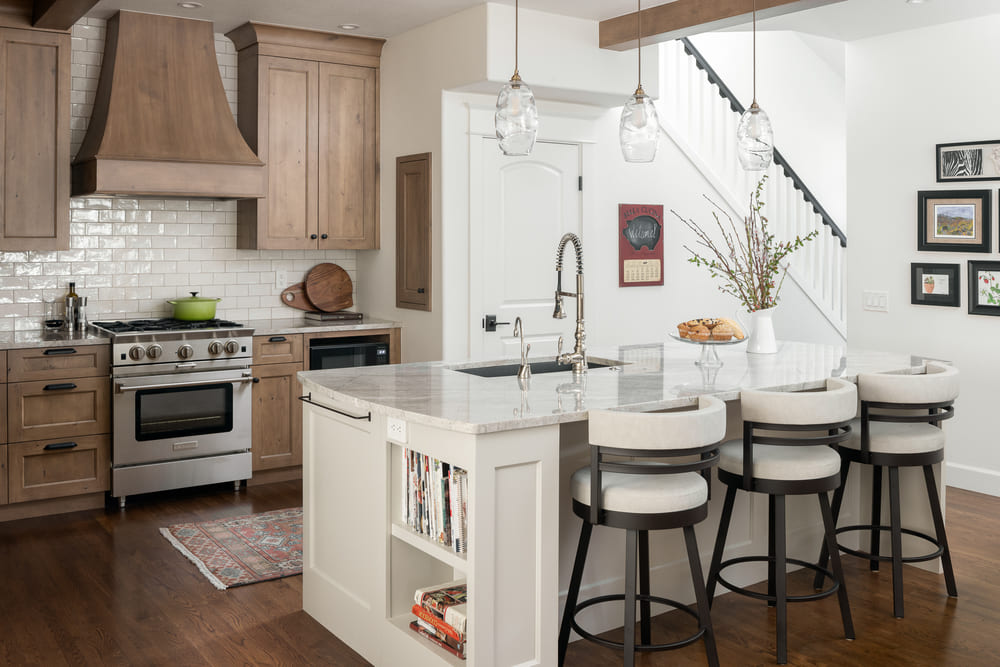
490,323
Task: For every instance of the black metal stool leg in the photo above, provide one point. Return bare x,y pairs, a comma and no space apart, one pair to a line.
770,550
831,540
876,535
644,606
631,546
838,500
781,576
720,542
897,543
704,614
573,594
942,537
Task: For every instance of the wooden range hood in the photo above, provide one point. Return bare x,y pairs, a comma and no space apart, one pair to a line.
161,124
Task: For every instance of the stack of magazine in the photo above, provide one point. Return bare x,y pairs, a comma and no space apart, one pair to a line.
441,615
435,499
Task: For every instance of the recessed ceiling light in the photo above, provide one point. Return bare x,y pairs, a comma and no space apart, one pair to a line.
348,26
916,2
190,5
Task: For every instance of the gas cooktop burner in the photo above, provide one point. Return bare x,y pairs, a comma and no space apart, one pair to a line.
164,324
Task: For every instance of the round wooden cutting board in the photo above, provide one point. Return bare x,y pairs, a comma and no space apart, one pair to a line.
329,288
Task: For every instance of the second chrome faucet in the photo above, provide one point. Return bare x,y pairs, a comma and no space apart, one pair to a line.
578,357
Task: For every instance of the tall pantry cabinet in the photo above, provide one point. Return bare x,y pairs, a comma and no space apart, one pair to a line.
308,105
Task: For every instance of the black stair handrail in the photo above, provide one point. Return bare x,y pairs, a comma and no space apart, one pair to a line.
779,159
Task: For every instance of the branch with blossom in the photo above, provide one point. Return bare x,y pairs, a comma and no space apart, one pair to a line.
749,259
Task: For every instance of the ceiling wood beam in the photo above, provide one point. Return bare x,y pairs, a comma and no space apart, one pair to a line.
59,14
682,18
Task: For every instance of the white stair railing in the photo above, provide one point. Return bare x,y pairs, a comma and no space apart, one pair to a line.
700,114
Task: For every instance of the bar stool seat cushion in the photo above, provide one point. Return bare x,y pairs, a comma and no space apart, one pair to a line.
892,438
643,494
781,462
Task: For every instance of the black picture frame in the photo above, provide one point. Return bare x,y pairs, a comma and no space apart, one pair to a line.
976,293
944,281
966,161
939,231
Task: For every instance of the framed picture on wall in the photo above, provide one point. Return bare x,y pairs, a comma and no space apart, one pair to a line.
984,288
953,220
934,284
640,245
968,161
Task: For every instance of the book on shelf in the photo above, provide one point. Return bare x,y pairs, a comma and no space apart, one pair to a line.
438,626
445,601
434,499
431,637
337,316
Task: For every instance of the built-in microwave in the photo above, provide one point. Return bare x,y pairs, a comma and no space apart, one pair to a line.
346,352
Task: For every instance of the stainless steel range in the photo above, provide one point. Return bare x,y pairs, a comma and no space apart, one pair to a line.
182,404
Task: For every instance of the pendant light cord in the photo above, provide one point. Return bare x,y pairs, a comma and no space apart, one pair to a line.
515,36
755,52
638,18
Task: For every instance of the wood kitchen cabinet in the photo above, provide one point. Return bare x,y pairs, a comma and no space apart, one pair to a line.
43,470
34,139
309,107
277,410
413,231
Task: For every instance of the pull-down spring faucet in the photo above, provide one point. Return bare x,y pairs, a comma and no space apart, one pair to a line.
578,357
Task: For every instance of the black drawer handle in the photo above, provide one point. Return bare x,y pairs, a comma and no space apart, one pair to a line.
276,339
420,290
59,350
59,445
56,387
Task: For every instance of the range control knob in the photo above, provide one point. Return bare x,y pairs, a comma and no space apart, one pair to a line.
215,347
185,351
232,346
154,351
136,353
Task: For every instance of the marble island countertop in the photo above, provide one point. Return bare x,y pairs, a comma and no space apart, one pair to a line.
649,377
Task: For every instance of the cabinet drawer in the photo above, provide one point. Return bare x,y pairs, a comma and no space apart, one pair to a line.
55,468
54,363
66,409
278,349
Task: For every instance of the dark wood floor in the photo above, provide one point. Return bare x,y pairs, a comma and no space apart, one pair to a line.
104,588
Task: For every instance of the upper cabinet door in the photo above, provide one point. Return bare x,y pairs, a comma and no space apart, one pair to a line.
34,140
348,164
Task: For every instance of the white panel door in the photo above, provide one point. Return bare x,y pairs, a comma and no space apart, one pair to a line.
524,207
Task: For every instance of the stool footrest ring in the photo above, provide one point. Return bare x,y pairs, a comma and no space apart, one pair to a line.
638,647
818,595
905,531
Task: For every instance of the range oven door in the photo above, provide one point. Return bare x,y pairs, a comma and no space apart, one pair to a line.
181,416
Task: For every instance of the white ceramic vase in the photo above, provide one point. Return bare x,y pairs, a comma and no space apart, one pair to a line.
761,326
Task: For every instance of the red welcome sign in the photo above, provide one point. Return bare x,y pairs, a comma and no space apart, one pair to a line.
640,245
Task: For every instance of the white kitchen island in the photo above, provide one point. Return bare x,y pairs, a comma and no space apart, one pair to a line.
519,446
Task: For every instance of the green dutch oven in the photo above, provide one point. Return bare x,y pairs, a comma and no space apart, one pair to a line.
194,307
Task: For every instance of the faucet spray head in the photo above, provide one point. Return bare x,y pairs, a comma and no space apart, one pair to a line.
558,313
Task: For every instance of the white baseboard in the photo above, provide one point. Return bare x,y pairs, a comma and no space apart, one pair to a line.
971,478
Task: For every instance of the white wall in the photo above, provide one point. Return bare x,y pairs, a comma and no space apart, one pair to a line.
800,84
907,92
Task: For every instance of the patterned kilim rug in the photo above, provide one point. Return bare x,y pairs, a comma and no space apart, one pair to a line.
243,549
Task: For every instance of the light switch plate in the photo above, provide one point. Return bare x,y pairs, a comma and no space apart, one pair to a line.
281,279
395,430
876,301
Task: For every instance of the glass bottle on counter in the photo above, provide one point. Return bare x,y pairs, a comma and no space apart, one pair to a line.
72,309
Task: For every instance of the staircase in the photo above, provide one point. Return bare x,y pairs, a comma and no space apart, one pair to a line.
700,114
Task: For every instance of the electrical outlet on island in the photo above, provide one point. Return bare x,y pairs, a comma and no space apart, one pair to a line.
396,430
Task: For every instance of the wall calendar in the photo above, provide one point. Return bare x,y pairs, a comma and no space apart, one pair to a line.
640,251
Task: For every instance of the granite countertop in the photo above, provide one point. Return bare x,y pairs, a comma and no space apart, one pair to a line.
45,338
293,325
650,377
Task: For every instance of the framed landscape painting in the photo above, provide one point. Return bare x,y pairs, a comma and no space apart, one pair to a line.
934,284
953,220
968,161
984,288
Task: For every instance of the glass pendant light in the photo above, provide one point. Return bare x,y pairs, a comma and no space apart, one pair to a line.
754,135
516,117
639,128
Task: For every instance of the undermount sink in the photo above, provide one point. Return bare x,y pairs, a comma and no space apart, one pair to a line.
537,368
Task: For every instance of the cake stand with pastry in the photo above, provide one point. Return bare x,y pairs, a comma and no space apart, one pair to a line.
710,332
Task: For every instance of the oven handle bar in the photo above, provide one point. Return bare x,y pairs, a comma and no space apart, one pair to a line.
308,399
121,388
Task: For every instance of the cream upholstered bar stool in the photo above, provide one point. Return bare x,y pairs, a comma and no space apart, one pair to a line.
901,419
787,438
639,496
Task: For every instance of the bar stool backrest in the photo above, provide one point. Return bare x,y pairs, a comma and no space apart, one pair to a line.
654,435
837,404
939,384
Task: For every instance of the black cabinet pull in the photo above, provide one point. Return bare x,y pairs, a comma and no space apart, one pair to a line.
324,236
59,350
308,399
313,237
420,290
59,445
276,339
56,387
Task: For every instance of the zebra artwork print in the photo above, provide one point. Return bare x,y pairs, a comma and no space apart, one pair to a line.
955,164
